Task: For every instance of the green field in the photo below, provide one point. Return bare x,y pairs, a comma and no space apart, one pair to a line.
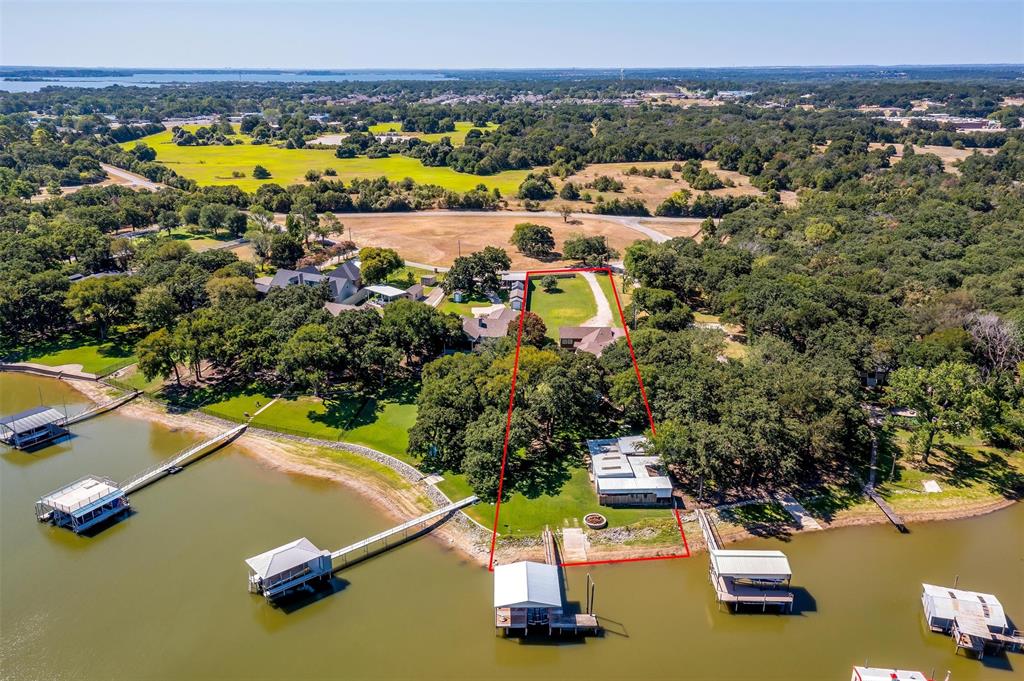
95,356
381,423
606,286
457,137
571,304
213,165
465,308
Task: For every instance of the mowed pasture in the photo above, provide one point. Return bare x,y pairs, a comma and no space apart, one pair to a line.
215,165
435,238
457,137
949,155
653,190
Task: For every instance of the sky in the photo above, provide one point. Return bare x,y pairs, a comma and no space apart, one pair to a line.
338,34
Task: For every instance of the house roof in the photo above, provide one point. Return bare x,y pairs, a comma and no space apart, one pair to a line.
620,468
346,270
492,325
751,564
526,585
592,339
337,308
949,604
29,420
284,558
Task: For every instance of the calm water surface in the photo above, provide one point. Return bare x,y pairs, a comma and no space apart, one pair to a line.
162,595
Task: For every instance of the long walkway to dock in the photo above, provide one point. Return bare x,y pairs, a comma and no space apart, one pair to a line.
151,474
101,408
354,553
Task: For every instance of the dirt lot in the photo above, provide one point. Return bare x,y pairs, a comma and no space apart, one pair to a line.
949,155
435,238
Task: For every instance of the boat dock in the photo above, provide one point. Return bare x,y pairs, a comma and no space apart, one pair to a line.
746,577
42,425
976,621
893,517
182,458
93,499
275,572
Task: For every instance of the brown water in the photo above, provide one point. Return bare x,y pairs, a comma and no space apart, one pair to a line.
162,595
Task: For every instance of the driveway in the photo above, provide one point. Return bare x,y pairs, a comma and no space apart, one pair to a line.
604,310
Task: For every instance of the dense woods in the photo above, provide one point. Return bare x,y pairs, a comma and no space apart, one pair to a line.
900,266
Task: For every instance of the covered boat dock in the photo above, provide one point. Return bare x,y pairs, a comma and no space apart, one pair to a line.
291,566
529,594
976,621
84,503
32,427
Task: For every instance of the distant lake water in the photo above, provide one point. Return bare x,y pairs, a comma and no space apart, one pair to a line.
169,77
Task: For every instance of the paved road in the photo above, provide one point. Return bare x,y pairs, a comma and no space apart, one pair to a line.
134,181
604,310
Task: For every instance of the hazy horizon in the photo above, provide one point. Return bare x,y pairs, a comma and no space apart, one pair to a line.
509,35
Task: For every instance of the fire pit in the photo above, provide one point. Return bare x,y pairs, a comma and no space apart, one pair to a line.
595,521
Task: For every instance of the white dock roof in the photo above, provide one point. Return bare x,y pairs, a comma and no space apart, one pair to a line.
879,674
80,494
526,585
751,564
283,558
949,603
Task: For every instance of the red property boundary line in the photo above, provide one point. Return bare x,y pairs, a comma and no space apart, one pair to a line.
511,406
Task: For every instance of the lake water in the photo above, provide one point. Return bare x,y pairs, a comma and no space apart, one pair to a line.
168,77
162,595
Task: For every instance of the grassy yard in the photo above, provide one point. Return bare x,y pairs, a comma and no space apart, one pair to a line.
571,304
215,165
528,516
465,308
95,356
379,423
198,239
401,277
458,137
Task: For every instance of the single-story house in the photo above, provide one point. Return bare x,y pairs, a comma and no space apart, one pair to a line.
415,292
592,339
624,476
492,325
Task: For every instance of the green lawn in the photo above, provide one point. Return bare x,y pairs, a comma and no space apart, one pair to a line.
571,304
214,165
458,137
523,516
465,308
95,356
606,286
400,278
198,239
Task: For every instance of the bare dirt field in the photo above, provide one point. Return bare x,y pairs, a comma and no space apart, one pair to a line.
949,155
435,238
652,190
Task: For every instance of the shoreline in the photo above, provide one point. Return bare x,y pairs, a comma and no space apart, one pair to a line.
460,534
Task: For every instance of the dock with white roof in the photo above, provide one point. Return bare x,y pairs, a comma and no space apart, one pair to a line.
90,500
746,577
295,564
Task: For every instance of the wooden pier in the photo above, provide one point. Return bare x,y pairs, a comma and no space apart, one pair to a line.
382,541
893,517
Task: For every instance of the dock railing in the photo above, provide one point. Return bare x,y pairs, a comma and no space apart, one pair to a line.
140,480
